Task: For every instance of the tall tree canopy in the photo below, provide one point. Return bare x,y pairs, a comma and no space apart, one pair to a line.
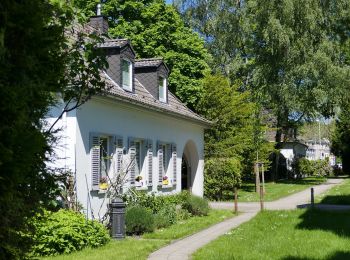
37,61
289,53
235,139
157,30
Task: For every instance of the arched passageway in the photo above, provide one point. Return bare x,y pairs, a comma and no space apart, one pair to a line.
189,166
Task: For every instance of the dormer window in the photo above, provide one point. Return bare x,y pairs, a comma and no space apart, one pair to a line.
162,89
127,75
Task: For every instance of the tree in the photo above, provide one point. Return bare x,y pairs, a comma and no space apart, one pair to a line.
288,53
37,61
157,30
236,137
341,137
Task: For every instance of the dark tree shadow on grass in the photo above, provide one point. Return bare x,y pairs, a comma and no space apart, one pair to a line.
340,255
336,199
336,222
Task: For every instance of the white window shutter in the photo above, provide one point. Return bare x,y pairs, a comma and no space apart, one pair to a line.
95,161
119,154
132,154
160,163
174,157
150,162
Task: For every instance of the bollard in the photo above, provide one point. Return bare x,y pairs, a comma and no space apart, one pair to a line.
117,218
236,202
312,197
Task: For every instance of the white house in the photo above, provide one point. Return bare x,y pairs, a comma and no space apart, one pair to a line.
138,120
320,150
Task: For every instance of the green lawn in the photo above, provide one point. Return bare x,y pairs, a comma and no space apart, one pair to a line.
276,190
339,195
140,248
288,235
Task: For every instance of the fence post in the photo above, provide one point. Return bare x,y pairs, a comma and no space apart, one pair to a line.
312,198
261,198
236,202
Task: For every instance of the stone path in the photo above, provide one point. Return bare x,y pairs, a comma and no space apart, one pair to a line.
184,248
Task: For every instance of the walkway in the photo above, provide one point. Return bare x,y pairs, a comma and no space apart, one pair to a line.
184,248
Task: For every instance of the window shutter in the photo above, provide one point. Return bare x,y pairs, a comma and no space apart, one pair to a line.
95,161
132,154
160,163
150,162
174,157
119,154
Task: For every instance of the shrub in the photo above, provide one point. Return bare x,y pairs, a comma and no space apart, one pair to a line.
182,214
138,220
66,231
313,168
166,216
196,206
221,175
153,202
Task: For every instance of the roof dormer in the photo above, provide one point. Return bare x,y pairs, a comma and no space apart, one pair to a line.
153,75
120,57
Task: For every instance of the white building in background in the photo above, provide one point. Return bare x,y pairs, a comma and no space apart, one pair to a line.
320,150
138,119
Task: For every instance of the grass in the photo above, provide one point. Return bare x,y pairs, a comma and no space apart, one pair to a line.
339,195
288,235
276,190
140,248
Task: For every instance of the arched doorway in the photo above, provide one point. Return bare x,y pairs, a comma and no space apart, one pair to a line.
189,166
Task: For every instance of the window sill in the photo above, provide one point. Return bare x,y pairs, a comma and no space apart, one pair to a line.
142,188
167,186
102,191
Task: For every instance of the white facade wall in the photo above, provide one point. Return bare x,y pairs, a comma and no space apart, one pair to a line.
110,117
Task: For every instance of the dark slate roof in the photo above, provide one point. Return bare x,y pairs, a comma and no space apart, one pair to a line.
153,62
115,43
143,98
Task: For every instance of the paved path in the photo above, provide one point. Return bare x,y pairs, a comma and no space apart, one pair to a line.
184,248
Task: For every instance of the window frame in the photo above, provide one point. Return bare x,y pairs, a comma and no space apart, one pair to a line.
130,71
162,80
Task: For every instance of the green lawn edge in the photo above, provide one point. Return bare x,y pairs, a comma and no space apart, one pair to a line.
338,195
290,235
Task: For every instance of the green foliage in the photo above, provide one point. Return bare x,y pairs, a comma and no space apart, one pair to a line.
153,202
65,232
36,60
292,54
157,30
341,137
197,206
220,176
166,216
319,168
182,214
235,138
138,220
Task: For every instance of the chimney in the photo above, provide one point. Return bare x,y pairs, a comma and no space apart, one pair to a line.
99,22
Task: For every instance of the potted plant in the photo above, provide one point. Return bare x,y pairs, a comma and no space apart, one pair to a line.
138,180
103,183
165,180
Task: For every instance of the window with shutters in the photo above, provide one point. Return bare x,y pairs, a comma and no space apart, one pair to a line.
138,155
164,155
100,152
127,75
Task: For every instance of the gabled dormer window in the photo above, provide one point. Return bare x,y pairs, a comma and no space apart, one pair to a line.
162,88
127,75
